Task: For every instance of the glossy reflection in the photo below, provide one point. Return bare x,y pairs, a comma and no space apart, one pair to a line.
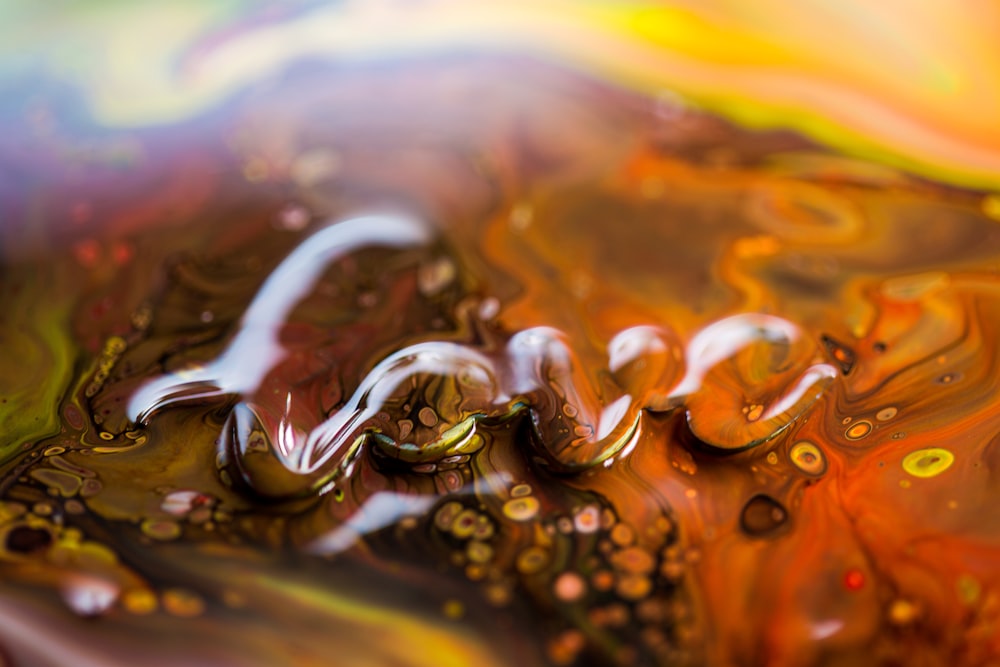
513,366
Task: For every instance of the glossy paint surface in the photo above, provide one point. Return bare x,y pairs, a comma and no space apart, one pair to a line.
478,337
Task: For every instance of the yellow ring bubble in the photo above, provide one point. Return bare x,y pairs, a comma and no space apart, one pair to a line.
928,462
521,509
808,458
859,430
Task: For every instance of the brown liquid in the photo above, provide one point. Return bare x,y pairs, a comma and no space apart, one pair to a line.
597,386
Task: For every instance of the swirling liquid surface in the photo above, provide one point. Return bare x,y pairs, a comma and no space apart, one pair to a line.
485,360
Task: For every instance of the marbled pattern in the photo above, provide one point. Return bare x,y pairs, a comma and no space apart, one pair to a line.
609,388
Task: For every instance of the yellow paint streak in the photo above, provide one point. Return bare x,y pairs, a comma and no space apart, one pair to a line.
394,635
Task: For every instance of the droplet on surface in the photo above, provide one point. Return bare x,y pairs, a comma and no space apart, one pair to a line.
563,650
587,519
524,508
672,571
445,516
763,516
808,458
140,602
928,462
623,534
569,587
464,524
633,587
293,218
885,414
903,612
89,596
858,430
520,490
64,483
479,552
545,370
180,503
948,378
183,603
161,529
749,377
633,560
434,276
532,559
497,594
27,540
90,488
842,355
603,580
427,417
484,528
854,579
991,206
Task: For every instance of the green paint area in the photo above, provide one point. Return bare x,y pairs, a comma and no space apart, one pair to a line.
36,361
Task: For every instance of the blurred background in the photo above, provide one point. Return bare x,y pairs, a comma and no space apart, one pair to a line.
909,84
